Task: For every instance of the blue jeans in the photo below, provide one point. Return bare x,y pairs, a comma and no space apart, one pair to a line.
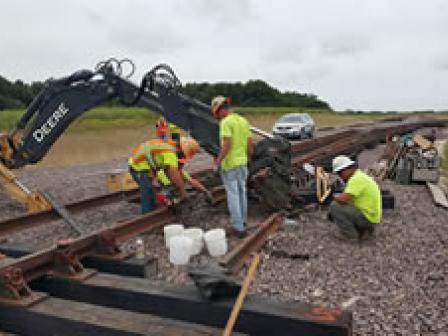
235,181
144,182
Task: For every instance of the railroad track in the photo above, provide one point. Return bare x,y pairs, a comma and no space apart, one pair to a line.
59,271
49,288
351,139
236,258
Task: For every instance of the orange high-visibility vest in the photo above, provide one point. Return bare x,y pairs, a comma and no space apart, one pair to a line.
145,152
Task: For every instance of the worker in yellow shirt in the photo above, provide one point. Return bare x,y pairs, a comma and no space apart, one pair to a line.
236,149
151,158
358,209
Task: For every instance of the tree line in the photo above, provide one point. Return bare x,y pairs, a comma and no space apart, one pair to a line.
15,95
254,93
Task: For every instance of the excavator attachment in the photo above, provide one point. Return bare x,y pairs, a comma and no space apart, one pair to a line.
9,183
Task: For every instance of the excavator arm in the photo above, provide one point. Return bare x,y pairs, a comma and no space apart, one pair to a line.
63,100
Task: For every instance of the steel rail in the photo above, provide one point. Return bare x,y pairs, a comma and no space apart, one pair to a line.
23,222
101,242
42,262
26,221
356,140
324,140
236,258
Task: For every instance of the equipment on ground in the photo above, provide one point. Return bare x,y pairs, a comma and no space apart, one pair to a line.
411,159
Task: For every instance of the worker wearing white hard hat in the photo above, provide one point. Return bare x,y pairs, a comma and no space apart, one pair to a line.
358,208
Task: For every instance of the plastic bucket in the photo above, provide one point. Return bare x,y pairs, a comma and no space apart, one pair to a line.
216,242
171,231
196,234
180,250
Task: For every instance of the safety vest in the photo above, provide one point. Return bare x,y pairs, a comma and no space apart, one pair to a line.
142,157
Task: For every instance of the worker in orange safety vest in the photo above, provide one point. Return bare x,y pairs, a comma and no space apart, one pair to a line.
152,158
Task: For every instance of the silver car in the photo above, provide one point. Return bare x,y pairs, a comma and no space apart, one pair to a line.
294,126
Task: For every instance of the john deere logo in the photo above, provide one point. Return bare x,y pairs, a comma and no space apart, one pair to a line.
40,133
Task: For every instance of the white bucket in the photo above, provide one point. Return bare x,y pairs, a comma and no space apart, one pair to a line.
216,242
180,250
171,231
196,235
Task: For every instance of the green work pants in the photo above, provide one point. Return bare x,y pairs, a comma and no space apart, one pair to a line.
350,220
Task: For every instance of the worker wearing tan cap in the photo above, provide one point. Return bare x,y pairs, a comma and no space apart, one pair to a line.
235,150
356,210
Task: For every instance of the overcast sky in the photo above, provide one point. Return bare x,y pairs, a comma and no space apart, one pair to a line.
355,54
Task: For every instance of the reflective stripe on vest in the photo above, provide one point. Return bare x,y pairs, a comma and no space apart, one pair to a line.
147,150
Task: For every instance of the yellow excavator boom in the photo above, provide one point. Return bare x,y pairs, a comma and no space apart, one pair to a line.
9,183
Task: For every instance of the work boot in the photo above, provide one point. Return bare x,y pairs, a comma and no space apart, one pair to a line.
238,234
367,235
343,236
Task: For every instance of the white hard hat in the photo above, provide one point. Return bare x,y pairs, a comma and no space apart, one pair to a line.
217,102
341,162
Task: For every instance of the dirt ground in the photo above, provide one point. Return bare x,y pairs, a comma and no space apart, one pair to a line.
397,284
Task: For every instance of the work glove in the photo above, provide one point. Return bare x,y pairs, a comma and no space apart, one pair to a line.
169,194
161,199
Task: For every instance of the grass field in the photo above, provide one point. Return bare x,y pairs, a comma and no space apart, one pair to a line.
109,133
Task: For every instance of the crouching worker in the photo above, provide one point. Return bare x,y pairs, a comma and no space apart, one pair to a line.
188,147
148,159
358,209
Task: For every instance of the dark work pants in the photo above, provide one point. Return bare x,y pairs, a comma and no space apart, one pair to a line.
350,220
144,182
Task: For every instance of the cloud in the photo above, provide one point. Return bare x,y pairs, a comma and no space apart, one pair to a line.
344,45
441,63
148,42
346,51
225,12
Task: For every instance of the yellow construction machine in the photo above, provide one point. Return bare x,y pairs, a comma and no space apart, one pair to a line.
31,200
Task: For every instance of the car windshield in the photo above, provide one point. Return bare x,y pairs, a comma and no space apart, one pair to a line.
293,118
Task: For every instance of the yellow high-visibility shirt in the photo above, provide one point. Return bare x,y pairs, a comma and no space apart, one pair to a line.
366,195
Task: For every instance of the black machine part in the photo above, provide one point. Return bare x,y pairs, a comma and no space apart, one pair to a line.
214,282
63,100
